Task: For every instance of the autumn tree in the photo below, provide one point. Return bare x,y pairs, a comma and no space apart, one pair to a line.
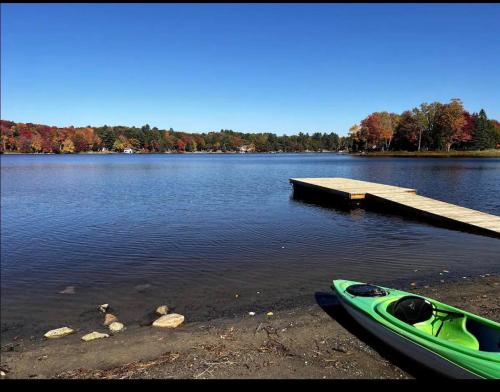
68,147
450,124
378,128
37,143
427,116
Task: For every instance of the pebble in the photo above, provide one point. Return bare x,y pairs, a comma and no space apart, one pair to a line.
94,335
110,319
162,310
413,284
169,321
116,327
3,374
236,296
269,314
103,308
251,313
58,333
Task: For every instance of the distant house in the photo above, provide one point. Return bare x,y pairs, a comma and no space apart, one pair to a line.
247,148
128,151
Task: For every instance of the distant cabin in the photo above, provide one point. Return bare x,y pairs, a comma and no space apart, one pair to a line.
128,151
247,148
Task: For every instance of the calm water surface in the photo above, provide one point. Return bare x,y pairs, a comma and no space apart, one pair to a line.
191,231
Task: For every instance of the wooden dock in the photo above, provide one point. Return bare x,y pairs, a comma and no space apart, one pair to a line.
404,200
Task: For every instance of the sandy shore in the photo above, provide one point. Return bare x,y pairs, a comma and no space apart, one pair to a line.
319,341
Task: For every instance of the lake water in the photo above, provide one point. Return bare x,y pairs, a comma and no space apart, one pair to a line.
192,231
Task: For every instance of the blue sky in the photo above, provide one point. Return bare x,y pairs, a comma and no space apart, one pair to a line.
281,68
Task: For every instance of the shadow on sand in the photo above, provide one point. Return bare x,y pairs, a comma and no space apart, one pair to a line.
331,305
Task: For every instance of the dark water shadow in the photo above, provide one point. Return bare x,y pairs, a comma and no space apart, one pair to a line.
327,202
331,306
348,207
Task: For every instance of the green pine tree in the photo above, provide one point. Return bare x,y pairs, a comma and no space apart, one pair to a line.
483,135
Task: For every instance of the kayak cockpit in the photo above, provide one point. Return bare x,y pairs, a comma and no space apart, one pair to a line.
452,326
488,337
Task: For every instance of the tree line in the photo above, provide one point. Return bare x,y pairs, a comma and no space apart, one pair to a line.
36,138
435,126
431,127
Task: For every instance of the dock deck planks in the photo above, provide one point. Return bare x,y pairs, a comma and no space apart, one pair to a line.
346,187
405,198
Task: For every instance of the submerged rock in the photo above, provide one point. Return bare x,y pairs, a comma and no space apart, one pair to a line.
162,310
68,290
109,319
94,335
116,327
58,333
141,288
169,321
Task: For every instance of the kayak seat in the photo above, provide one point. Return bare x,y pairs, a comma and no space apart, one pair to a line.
454,330
420,313
450,329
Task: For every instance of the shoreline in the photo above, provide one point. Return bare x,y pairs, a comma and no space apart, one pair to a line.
307,341
392,154
433,154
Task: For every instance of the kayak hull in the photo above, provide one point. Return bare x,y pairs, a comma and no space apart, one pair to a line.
399,343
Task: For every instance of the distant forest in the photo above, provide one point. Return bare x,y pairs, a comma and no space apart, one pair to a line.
429,127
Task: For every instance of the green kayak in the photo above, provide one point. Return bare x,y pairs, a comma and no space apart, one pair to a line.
448,340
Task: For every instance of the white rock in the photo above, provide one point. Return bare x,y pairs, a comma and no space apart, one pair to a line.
162,310
3,374
58,333
116,327
94,335
251,313
169,321
103,308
